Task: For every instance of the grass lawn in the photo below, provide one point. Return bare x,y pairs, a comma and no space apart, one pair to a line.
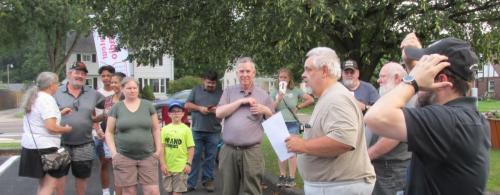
10,145
489,105
272,162
494,176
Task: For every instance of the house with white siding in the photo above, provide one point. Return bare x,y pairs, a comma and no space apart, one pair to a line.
157,76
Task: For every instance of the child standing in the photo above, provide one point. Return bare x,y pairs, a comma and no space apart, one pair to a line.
178,151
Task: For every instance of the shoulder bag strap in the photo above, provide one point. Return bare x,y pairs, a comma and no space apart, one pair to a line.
32,136
293,114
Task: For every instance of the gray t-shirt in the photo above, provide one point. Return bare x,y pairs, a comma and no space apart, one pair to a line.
133,136
337,116
80,119
201,97
366,93
241,128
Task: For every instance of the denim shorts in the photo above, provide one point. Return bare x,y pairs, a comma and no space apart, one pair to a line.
293,127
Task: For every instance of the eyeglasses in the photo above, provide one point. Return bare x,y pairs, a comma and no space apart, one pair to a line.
76,104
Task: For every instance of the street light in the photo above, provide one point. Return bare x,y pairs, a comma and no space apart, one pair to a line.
9,66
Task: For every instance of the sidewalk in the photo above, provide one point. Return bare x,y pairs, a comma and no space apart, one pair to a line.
9,115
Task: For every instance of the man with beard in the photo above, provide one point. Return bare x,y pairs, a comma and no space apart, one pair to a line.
389,157
333,158
82,100
449,139
206,130
364,92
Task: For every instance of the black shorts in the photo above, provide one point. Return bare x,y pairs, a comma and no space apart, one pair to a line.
80,169
30,164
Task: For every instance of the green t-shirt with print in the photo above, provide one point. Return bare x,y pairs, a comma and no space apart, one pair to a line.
176,139
291,97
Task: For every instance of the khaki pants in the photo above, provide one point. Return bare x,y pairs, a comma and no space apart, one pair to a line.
241,170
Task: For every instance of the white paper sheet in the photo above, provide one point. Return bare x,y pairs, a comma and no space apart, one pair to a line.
276,131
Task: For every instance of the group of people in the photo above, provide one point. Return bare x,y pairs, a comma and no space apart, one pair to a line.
419,134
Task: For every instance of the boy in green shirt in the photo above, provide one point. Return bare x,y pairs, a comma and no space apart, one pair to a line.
178,151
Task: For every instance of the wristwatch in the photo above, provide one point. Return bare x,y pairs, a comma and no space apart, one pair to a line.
410,80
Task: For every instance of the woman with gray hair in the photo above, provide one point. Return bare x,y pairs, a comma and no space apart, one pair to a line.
42,132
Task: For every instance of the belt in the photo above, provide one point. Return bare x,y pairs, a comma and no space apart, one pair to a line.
390,161
241,147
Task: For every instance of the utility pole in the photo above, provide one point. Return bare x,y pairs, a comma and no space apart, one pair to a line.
9,66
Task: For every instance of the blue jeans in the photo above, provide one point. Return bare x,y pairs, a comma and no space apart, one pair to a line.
391,176
205,144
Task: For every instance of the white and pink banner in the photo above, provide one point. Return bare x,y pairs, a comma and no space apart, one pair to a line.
107,53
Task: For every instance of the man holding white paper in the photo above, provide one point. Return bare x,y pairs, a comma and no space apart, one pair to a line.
333,158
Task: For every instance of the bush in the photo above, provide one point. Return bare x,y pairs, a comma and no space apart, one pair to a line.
187,82
147,93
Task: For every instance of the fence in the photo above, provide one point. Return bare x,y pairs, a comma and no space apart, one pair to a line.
9,99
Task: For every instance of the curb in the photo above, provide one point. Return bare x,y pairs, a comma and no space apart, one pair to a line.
10,151
272,180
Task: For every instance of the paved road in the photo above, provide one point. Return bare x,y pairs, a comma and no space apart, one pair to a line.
12,184
10,126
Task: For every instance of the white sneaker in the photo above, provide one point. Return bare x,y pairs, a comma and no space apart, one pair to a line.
106,192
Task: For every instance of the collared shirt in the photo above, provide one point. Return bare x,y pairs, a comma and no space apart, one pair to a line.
80,118
202,97
337,116
450,145
242,128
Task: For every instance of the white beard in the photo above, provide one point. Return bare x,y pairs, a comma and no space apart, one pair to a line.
349,83
386,88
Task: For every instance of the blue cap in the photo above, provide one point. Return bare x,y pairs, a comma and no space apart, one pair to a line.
174,104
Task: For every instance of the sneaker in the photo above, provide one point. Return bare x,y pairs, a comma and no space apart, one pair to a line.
290,182
209,186
281,181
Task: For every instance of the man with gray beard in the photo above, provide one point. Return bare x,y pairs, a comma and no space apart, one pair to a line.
389,157
364,92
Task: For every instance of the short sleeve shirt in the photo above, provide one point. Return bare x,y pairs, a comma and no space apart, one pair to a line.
366,93
177,139
202,97
450,145
292,98
242,128
133,137
80,119
44,107
337,116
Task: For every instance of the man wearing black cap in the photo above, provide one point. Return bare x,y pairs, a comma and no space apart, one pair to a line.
82,100
449,138
364,92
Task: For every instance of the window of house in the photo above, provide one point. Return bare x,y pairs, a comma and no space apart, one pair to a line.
158,85
155,84
94,58
87,57
491,86
78,57
160,61
162,85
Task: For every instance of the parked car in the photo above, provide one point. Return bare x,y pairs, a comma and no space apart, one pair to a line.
162,107
180,96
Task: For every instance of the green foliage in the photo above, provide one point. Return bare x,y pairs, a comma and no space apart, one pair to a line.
206,35
187,82
147,93
493,184
37,32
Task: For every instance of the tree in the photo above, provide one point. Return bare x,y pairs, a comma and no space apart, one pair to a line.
147,93
211,34
43,22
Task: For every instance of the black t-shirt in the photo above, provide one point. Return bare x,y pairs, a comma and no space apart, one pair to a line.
450,145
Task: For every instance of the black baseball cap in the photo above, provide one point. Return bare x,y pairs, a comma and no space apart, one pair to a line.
460,55
79,66
350,64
